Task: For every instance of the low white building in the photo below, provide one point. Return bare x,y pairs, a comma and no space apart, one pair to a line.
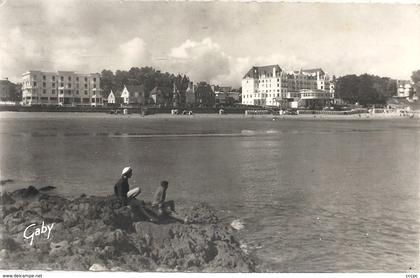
111,98
133,95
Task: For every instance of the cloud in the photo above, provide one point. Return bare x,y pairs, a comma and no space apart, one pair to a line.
21,51
200,60
132,53
17,50
205,60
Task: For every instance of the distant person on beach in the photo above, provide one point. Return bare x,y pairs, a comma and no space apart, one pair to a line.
162,207
128,197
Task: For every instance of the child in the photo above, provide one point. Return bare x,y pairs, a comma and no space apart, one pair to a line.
163,207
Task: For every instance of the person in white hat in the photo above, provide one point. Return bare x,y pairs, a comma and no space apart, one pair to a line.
121,187
127,196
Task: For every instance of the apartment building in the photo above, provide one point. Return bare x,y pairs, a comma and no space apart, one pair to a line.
271,85
62,88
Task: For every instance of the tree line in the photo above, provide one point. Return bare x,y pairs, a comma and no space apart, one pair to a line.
365,89
146,76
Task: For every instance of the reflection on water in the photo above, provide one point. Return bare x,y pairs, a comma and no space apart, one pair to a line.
312,196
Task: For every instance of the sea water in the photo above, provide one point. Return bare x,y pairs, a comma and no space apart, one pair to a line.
310,195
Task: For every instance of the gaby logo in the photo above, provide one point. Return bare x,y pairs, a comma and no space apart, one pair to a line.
32,231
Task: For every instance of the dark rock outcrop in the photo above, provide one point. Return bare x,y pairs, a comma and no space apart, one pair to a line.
96,233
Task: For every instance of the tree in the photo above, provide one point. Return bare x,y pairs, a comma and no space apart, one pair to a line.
365,89
415,77
205,96
146,76
107,79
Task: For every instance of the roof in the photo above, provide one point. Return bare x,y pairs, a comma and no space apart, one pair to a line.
6,82
254,72
313,70
132,89
154,91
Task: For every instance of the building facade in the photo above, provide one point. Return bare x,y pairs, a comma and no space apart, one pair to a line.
272,86
404,89
190,95
133,95
204,95
9,91
62,88
111,98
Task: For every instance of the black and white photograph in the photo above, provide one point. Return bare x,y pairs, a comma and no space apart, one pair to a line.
209,137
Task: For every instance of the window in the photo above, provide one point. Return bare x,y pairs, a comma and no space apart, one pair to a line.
85,86
44,84
34,84
53,78
77,78
61,92
44,91
94,85
61,84
94,79
69,78
69,85
85,79
43,77
77,92
53,92
61,78
53,84
85,92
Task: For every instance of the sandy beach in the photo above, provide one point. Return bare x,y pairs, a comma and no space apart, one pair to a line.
378,116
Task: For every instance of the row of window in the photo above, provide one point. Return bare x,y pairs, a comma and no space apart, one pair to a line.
62,78
317,95
262,95
61,99
284,95
44,84
44,91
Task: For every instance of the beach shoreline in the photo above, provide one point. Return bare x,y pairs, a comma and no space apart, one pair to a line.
363,116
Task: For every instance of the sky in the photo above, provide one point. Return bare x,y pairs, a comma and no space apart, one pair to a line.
215,42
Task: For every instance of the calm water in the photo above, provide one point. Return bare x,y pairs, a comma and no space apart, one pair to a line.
314,196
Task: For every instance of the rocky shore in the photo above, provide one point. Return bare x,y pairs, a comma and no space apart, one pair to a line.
96,233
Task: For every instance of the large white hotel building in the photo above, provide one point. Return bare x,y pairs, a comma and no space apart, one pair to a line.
269,85
63,88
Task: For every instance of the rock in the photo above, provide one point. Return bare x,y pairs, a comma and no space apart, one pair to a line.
105,236
8,243
3,254
6,199
200,214
237,224
26,192
47,188
77,262
121,218
98,267
60,248
3,182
